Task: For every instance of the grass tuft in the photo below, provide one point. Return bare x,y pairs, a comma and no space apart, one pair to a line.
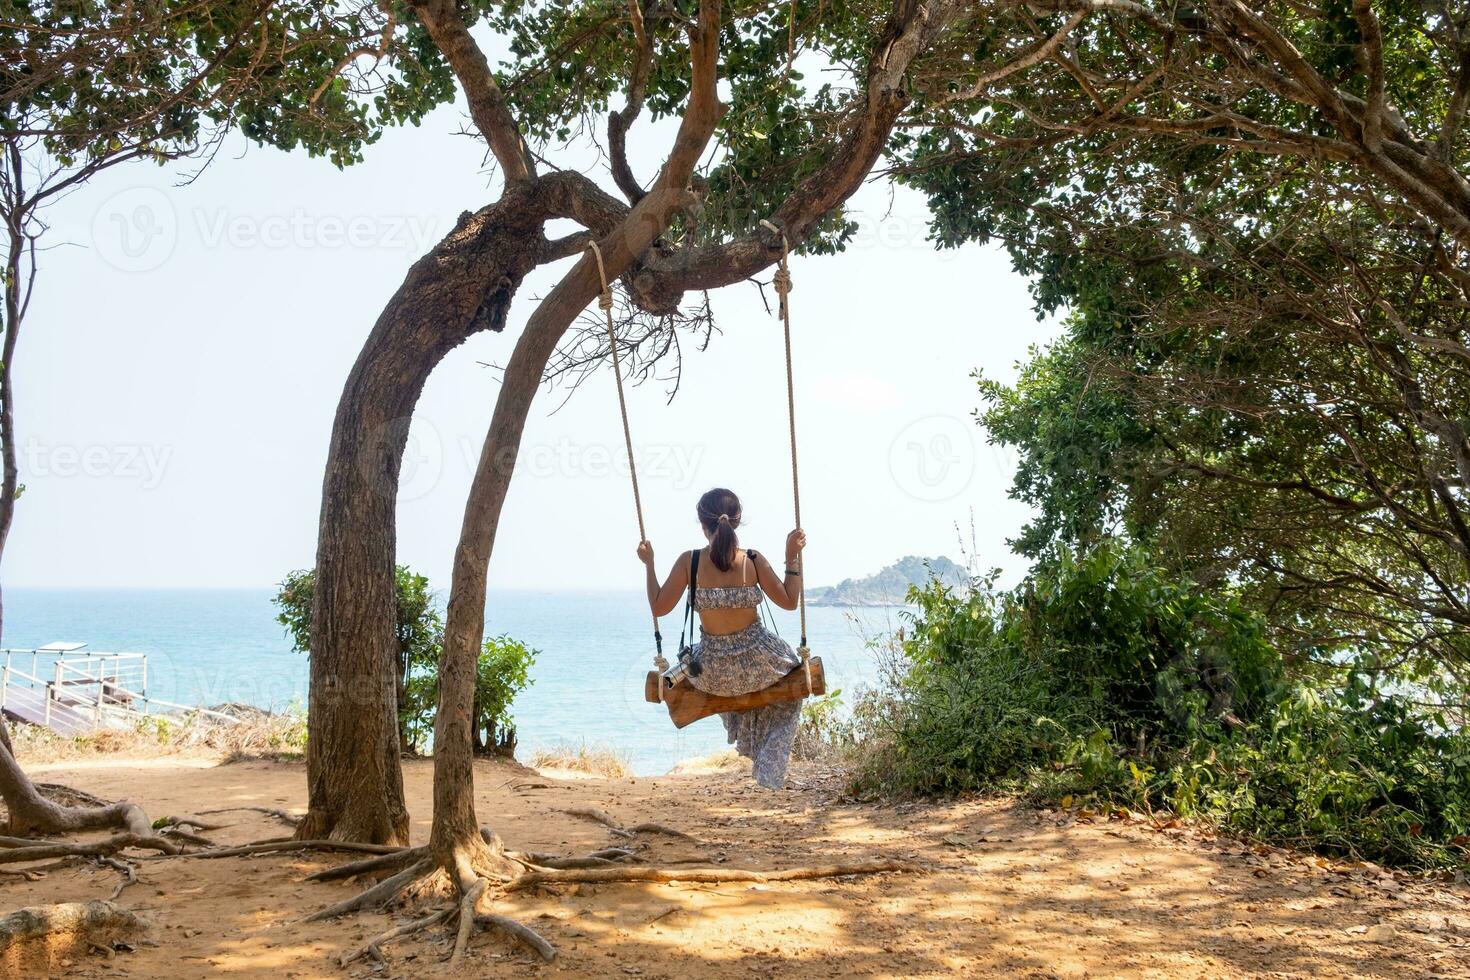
593,760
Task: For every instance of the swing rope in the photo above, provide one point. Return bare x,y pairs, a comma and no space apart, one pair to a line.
783,285
605,302
782,281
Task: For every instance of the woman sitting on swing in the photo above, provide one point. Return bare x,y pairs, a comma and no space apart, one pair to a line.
736,654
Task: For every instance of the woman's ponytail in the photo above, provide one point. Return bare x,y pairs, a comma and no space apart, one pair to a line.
719,514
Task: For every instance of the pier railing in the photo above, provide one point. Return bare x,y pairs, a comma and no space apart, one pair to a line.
74,692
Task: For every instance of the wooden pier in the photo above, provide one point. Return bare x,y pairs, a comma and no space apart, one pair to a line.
66,688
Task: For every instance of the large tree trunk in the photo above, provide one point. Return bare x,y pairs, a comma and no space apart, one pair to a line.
455,836
455,841
463,286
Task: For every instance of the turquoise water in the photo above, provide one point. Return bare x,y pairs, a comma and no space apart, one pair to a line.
209,647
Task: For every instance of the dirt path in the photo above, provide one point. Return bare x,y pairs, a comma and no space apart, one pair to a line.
1013,892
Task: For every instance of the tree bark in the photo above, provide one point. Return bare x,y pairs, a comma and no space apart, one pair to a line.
464,285
455,840
16,215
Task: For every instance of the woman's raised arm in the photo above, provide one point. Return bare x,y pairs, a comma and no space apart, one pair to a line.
662,599
785,590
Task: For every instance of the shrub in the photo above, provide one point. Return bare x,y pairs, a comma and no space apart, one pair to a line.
1104,677
418,626
501,673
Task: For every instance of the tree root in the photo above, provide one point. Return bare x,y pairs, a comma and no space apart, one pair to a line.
129,872
380,894
69,795
178,833
33,940
597,876
467,906
373,947
603,817
32,809
605,858
38,872
286,844
383,862
41,850
481,868
163,823
520,931
288,819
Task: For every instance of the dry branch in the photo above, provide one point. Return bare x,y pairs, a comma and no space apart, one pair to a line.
603,817
129,873
373,947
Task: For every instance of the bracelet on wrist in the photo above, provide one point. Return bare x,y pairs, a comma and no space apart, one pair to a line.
794,571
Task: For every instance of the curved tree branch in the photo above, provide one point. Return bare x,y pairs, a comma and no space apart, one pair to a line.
661,282
492,117
455,841
618,122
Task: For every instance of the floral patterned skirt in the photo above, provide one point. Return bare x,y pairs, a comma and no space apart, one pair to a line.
740,663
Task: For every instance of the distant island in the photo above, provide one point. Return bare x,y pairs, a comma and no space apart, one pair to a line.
891,585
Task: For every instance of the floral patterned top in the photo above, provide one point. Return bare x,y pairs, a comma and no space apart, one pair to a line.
730,597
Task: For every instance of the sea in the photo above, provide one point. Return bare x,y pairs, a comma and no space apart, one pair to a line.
215,646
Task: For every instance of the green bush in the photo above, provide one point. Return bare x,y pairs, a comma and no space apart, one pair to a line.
1352,771
417,623
501,673
1103,677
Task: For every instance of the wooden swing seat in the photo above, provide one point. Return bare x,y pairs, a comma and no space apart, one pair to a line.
687,703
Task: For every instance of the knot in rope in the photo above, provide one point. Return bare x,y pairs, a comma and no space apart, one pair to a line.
782,281
605,300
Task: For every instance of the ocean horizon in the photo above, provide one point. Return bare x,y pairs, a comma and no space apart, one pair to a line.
212,646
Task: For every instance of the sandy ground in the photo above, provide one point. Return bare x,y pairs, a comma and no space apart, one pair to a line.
1012,891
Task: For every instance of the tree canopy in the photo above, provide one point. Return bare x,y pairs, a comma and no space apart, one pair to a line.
1264,373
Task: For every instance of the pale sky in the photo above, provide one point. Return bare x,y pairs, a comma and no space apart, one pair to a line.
178,374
